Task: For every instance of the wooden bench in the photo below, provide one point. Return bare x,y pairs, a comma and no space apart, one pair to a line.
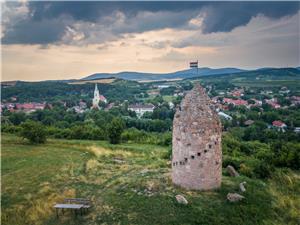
82,201
74,207
76,204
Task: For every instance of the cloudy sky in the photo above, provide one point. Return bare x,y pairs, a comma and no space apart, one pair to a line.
63,40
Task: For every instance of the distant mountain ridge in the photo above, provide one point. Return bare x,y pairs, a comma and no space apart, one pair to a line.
189,73
184,74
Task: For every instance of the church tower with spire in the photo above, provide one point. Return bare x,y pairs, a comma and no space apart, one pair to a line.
96,98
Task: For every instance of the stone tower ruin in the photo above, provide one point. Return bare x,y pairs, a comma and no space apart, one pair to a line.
196,153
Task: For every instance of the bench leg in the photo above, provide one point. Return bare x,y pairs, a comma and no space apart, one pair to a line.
56,210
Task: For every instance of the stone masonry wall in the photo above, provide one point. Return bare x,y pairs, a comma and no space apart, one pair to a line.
196,153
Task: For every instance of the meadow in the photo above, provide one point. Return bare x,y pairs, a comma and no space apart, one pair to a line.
129,184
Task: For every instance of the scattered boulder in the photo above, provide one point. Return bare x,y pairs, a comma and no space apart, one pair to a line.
234,197
232,171
181,200
242,186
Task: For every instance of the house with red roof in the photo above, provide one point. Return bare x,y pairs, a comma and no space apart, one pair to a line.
30,107
279,125
103,99
273,103
235,102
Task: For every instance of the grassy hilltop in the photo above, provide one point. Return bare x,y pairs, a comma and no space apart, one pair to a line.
129,184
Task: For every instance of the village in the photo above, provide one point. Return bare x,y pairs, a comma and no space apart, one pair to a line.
228,102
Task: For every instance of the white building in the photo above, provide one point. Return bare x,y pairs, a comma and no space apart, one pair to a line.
161,86
225,116
140,109
171,105
297,130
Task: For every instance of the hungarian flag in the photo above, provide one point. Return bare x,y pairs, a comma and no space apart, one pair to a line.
194,64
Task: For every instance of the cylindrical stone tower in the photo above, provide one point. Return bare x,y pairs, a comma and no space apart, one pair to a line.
196,153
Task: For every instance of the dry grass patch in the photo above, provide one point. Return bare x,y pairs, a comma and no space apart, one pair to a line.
92,165
119,154
42,209
37,209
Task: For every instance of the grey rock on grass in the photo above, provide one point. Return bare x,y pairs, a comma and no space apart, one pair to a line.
234,197
181,200
242,186
232,171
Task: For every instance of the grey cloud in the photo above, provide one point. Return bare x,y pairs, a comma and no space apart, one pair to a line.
224,17
47,22
43,32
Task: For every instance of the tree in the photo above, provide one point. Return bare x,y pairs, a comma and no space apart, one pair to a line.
17,118
33,131
48,120
115,129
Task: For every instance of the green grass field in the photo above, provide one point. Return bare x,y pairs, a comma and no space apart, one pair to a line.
128,184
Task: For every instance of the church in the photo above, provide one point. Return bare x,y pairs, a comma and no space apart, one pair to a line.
97,98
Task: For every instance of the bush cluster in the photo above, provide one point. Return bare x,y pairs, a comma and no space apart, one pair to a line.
257,159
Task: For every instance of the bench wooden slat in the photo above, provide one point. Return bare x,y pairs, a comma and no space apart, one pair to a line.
78,200
68,206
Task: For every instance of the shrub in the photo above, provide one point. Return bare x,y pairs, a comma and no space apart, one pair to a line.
166,139
96,133
33,131
114,130
246,170
17,118
140,136
235,162
287,154
168,154
135,135
263,170
63,133
51,131
257,149
256,168
230,145
11,129
79,132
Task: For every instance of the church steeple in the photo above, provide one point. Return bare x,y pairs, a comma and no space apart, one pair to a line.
96,98
96,92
